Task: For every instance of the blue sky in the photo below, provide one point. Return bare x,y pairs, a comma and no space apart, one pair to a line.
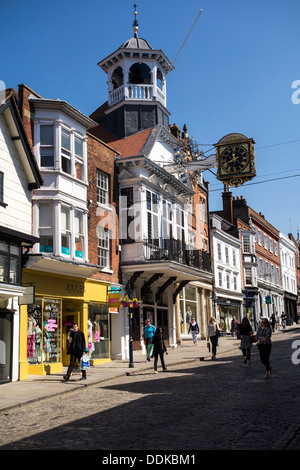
234,74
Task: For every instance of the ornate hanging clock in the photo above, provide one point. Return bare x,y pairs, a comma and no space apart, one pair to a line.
235,159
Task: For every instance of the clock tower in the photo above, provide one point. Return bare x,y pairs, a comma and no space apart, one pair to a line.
137,96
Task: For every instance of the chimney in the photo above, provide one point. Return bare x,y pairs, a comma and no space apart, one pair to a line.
227,206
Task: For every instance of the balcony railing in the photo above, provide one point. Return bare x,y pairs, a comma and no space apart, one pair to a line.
176,250
136,92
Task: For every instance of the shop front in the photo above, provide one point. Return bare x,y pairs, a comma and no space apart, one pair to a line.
45,325
227,309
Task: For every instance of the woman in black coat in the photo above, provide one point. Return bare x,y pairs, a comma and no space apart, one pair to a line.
159,349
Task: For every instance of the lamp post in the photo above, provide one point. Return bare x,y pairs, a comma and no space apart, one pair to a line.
130,301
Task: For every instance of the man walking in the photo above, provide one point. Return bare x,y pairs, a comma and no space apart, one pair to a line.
149,331
76,349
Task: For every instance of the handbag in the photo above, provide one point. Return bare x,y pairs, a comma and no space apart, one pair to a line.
218,332
84,362
253,339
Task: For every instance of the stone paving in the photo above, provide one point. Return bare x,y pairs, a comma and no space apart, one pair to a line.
194,405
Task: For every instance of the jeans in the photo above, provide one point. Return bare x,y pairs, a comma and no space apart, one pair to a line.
214,342
161,355
264,352
72,363
247,353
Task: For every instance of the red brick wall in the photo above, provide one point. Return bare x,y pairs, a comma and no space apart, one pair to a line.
102,157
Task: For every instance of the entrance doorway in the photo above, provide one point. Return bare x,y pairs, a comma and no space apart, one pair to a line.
158,317
71,313
6,323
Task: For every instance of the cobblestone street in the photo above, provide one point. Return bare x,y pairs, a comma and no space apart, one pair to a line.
207,405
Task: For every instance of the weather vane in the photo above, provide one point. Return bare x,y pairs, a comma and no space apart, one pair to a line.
135,21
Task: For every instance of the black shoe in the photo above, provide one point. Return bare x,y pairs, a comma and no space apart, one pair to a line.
83,377
66,377
245,360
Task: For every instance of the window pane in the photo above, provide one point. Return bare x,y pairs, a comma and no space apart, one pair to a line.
66,164
78,147
47,135
13,273
47,156
4,266
65,216
65,140
46,216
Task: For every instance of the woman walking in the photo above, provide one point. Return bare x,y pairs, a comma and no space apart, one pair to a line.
245,330
159,349
194,329
263,335
213,333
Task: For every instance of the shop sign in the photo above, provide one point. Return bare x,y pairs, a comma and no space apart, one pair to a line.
268,299
114,299
75,289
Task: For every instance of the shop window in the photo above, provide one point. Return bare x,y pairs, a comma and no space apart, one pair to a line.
44,331
6,329
98,331
9,263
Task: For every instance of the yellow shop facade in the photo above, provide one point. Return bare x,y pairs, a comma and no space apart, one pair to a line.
59,302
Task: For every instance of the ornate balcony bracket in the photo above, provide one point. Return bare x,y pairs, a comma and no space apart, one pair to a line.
133,279
150,281
164,287
179,289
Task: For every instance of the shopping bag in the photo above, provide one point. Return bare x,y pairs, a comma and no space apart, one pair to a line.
84,362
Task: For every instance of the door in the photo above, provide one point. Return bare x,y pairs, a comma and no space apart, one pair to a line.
162,322
68,320
6,324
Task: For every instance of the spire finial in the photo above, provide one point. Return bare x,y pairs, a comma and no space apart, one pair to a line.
135,22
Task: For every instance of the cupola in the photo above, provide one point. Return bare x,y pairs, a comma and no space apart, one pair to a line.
137,96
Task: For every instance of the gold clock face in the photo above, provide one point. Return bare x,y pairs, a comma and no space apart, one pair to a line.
234,160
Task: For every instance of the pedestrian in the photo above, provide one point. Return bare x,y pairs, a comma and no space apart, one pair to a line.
263,335
76,349
149,331
234,325
245,331
273,322
194,329
283,320
159,348
213,333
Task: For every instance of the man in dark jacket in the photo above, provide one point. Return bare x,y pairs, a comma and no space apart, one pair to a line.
76,349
